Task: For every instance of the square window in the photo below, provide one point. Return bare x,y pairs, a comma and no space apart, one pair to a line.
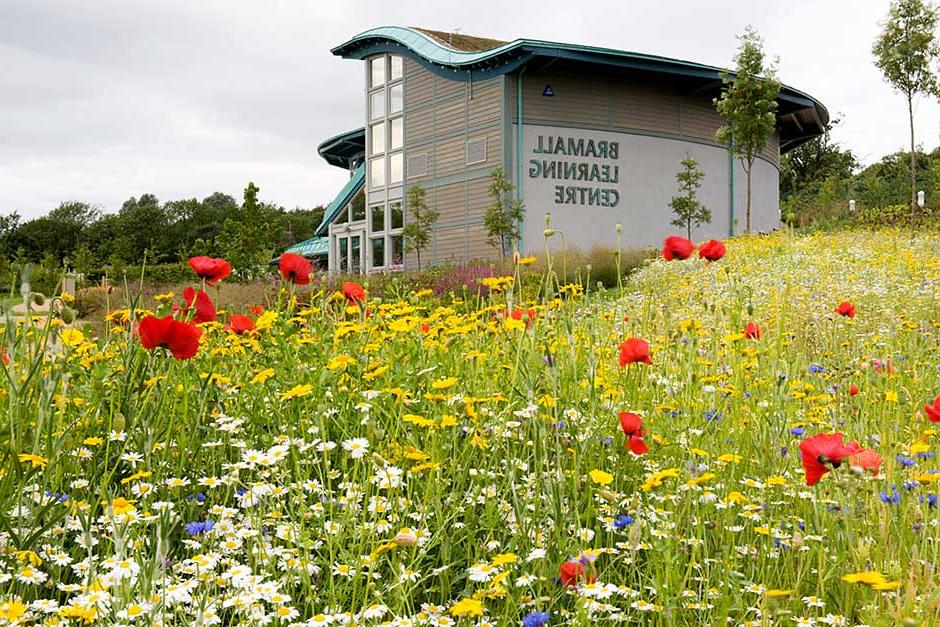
396,165
377,218
398,136
396,219
377,72
377,104
396,63
377,172
377,132
395,99
378,252
398,250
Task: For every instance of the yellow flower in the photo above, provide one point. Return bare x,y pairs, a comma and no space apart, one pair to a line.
72,337
891,396
504,558
467,607
775,593
296,391
730,457
443,384
868,577
35,460
143,474
525,261
600,477
12,610
263,375
886,586
120,506
736,497
340,362
162,298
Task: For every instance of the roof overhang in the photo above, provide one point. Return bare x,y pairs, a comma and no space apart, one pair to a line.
800,117
346,150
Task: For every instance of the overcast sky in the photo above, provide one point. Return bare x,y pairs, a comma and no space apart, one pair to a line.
108,99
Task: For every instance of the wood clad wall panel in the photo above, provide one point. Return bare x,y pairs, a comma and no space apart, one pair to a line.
699,118
772,149
450,117
451,156
477,245
419,125
486,104
644,106
577,99
450,202
445,88
450,243
419,84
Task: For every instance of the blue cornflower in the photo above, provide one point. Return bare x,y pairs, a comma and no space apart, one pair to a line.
816,369
199,527
560,424
931,500
535,619
891,499
905,461
713,414
926,454
199,497
797,431
607,440
623,520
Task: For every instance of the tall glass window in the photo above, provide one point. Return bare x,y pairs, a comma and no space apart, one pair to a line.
377,218
398,136
398,250
395,168
395,216
377,172
378,138
396,63
377,72
377,105
378,252
395,98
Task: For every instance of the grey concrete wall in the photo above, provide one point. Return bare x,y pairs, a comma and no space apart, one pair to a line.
647,166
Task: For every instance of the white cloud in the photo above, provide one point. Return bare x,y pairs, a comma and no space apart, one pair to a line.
111,99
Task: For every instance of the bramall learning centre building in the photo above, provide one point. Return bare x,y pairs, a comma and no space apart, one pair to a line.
592,136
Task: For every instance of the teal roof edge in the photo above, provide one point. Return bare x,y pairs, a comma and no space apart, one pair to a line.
352,186
461,65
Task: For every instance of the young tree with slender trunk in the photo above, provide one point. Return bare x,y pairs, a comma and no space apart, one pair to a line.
688,209
503,217
417,232
907,53
748,106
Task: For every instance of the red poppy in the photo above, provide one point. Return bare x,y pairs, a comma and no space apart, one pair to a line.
853,390
240,324
182,338
571,572
354,292
823,450
752,331
846,309
632,426
675,247
256,310
211,269
205,310
933,411
295,268
713,250
634,350
866,460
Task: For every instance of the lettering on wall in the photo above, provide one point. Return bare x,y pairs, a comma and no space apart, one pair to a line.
561,158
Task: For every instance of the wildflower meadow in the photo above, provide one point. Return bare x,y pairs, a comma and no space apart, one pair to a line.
743,433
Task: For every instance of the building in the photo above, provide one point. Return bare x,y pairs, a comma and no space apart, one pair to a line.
591,136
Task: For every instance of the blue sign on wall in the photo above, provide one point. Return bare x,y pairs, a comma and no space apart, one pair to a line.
548,91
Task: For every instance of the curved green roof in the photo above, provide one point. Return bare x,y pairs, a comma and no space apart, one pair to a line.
807,117
344,150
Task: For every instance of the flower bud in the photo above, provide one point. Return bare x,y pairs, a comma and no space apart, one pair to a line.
38,299
68,315
405,538
548,232
618,228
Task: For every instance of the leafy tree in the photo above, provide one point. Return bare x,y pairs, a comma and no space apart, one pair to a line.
748,106
144,223
417,232
245,240
907,52
503,217
84,260
813,162
689,210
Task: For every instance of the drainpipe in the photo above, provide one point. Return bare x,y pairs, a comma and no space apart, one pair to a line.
731,188
519,146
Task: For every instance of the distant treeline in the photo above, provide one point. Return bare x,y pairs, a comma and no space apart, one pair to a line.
818,179
79,236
